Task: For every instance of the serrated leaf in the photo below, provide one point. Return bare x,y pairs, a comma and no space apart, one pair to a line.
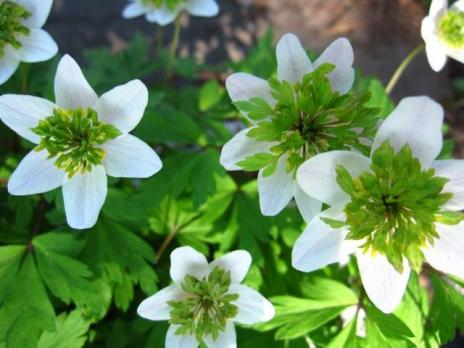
71,332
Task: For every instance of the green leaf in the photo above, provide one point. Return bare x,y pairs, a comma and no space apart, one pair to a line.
122,258
71,332
210,95
26,310
388,324
296,317
346,338
66,277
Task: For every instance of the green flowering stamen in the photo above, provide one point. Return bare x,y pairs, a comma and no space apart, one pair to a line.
208,305
73,137
170,4
395,206
11,17
308,118
451,29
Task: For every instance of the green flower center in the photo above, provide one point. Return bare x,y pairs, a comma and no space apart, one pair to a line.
207,307
394,207
171,4
11,17
451,29
308,118
74,137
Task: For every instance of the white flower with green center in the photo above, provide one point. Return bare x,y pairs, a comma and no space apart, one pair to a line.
305,111
394,210
443,33
80,139
206,300
21,36
164,12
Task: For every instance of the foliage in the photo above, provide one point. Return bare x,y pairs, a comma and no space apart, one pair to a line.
67,289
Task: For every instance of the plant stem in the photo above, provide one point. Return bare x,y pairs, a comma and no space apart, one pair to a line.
402,67
165,244
159,40
39,218
173,48
24,75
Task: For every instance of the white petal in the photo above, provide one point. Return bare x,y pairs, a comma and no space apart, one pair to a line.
308,206
84,195
202,8
275,191
242,86
156,307
226,339
339,53
453,170
23,112
458,6
123,106
187,261
35,174
436,55
317,176
133,10
179,341
384,285
129,157
72,90
321,245
456,54
8,65
447,253
252,306
292,61
39,9
38,46
416,121
236,262
240,147
162,16
438,7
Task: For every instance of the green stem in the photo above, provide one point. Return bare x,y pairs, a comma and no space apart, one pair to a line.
402,67
24,70
159,40
173,48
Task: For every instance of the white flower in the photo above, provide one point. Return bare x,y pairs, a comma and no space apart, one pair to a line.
443,33
278,189
186,263
22,38
164,12
416,122
82,138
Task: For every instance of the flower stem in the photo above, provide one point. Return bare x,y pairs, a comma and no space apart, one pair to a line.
402,67
165,244
173,48
159,40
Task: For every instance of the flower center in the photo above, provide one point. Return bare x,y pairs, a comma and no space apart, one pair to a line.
11,18
451,29
394,206
170,4
207,307
308,118
74,137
